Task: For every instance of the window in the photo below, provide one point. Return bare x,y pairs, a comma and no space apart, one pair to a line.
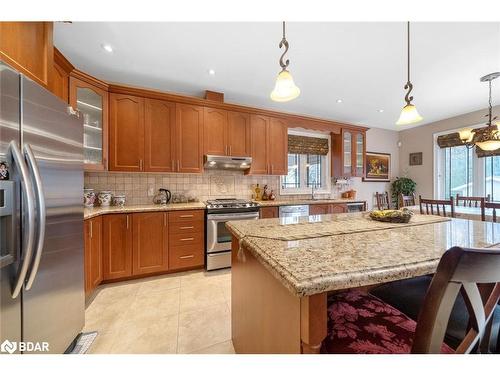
460,171
306,172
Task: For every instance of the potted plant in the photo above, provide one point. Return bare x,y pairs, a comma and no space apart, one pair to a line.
404,185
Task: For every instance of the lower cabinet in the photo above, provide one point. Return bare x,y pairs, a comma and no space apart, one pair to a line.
327,208
117,246
146,243
93,253
269,212
150,242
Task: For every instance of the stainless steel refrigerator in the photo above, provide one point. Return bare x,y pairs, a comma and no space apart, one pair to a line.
41,217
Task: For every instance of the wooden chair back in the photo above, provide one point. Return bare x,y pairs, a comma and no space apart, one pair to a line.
383,202
493,206
437,206
470,201
407,200
460,270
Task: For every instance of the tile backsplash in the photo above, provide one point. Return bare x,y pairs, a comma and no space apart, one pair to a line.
140,188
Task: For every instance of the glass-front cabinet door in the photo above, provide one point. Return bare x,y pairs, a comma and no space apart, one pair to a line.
347,150
92,102
360,151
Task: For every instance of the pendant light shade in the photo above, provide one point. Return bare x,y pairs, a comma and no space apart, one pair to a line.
490,145
409,113
285,88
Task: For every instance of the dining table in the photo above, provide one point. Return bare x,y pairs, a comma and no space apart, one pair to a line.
284,269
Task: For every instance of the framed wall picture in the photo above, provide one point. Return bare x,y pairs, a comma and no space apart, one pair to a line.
416,158
378,167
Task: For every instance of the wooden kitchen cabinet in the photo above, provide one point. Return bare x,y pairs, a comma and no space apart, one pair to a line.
189,138
226,133
92,102
186,239
93,253
59,77
117,246
28,48
269,145
159,126
150,242
327,208
269,212
126,133
348,153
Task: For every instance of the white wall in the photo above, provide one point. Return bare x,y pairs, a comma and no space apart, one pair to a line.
378,140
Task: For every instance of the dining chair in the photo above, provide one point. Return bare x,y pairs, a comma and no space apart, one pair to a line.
437,206
470,201
360,322
493,206
383,202
407,200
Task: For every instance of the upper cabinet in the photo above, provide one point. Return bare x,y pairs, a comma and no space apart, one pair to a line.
59,77
269,145
348,153
189,138
226,133
27,47
159,124
126,133
92,102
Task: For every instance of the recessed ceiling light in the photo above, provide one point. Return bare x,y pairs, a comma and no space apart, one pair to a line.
380,110
339,100
107,48
211,72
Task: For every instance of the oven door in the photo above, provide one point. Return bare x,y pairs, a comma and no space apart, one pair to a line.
218,236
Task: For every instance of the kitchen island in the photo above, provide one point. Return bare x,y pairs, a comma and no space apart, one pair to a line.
283,269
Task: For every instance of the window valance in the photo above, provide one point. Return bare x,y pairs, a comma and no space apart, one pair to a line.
298,144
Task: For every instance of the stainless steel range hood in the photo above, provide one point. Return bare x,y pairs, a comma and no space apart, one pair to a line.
227,162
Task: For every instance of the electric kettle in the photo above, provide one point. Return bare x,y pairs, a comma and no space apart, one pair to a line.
163,196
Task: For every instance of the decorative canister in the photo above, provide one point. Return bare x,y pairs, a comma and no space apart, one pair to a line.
119,200
104,198
88,197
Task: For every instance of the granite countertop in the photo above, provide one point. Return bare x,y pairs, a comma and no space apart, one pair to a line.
358,257
96,211
285,202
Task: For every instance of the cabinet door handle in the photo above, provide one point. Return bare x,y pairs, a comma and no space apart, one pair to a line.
230,150
91,229
186,257
186,215
187,239
191,227
140,164
164,219
127,221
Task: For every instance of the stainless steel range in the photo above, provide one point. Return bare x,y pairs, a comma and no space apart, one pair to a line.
219,211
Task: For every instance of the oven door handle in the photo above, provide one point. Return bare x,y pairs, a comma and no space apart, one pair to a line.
254,215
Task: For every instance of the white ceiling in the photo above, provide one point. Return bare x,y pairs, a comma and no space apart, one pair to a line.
364,64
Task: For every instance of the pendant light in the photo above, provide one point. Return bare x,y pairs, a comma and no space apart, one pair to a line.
285,88
488,138
409,114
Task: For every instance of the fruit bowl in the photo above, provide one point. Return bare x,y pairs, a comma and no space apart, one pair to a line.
392,216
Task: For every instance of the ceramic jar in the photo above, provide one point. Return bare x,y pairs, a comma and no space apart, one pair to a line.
88,197
119,200
104,198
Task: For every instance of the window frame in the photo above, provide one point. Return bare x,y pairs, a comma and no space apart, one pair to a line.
303,189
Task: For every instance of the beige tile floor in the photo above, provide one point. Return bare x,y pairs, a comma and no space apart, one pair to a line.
180,313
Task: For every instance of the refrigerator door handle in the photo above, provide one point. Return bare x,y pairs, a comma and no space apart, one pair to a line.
40,198
29,200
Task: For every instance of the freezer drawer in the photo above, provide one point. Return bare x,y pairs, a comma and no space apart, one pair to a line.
216,261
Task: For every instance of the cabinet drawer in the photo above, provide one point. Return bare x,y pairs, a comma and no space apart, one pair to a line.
183,216
186,227
184,239
186,256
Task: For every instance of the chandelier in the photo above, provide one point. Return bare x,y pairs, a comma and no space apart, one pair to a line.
486,138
